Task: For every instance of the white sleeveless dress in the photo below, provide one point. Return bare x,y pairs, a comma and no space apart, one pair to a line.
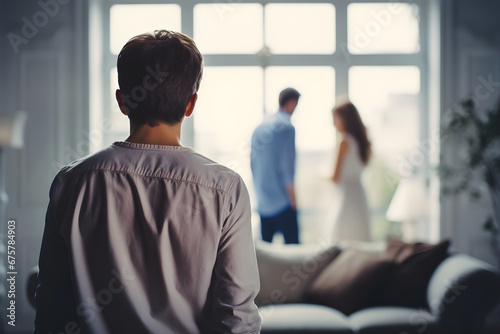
349,218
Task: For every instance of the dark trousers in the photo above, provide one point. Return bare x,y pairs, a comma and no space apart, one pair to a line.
285,222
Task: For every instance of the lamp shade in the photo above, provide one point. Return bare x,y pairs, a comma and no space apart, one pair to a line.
409,202
12,130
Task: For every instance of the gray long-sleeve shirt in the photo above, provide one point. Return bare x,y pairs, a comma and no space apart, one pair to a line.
147,239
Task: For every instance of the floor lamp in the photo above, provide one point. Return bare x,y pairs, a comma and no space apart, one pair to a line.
11,136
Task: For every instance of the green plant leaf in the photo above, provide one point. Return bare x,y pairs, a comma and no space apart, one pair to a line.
489,225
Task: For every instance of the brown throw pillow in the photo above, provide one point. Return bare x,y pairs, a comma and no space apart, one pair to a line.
347,282
415,263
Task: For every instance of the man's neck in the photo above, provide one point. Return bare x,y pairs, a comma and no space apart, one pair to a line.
286,113
162,134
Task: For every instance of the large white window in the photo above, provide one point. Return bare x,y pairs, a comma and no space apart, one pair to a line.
300,28
373,51
383,28
219,30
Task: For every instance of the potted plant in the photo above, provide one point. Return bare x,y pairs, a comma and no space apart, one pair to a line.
479,133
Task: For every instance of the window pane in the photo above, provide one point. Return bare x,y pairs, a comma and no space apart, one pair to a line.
127,21
300,28
312,117
383,28
387,98
228,28
229,107
390,109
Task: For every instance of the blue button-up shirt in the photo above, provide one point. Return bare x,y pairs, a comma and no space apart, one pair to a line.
273,163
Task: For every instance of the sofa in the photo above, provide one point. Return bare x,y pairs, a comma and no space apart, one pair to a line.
460,293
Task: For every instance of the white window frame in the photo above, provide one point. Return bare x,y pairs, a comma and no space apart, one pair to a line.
102,61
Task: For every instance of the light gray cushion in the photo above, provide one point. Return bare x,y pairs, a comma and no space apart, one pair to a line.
372,247
286,270
394,320
303,318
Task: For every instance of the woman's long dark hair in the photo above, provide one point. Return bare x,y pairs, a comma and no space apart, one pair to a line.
353,125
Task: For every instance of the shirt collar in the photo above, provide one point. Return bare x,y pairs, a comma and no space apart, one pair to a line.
140,146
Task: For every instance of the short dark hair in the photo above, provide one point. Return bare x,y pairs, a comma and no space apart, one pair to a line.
158,74
288,94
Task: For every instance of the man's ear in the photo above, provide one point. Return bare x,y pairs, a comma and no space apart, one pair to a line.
119,99
190,105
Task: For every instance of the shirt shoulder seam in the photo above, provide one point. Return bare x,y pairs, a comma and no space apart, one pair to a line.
150,176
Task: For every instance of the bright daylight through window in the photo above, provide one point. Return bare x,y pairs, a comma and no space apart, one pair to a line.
373,52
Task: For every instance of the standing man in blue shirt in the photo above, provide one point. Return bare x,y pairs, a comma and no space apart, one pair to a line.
273,168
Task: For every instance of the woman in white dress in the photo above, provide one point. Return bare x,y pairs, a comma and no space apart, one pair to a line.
349,218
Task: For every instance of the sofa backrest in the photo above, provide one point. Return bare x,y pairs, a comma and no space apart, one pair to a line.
286,270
